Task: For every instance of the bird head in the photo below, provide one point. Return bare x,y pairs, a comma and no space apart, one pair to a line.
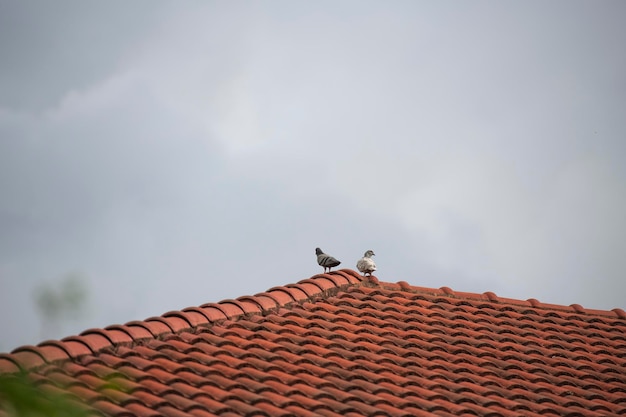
318,251
369,254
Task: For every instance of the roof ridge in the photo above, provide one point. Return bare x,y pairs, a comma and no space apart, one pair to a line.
95,340
493,298
320,285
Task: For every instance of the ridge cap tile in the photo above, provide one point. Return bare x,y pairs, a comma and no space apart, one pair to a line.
281,295
28,356
338,280
164,325
620,313
197,316
135,332
304,290
213,312
154,327
301,291
263,302
54,350
231,308
8,364
247,306
115,336
323,282
189,318
93,342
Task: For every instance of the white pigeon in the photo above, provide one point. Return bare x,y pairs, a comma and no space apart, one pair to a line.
366,264
325,261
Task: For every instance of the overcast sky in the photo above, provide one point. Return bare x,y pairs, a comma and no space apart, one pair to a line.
179,153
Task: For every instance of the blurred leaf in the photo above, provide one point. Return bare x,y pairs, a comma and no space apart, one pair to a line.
73,293
48,302
20,397
54,300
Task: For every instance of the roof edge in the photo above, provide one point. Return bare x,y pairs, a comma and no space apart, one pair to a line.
493,298
91,341
325,285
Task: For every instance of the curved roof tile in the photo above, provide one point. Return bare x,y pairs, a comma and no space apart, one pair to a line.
336,344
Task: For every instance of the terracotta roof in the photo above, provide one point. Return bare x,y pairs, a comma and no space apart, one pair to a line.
334,345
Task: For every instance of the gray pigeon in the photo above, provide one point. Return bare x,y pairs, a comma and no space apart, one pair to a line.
366,264
324,260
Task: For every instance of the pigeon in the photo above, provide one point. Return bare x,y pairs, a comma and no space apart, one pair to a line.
324,260
366,264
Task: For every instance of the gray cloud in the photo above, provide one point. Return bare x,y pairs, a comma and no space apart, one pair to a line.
185,155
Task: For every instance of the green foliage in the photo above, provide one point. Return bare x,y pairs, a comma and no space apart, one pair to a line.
20,397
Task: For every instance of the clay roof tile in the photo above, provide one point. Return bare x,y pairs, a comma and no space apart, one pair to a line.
337,344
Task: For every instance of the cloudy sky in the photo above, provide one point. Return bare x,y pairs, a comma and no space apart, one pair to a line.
172,154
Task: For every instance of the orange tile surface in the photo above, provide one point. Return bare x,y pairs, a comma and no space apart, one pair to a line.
333,345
